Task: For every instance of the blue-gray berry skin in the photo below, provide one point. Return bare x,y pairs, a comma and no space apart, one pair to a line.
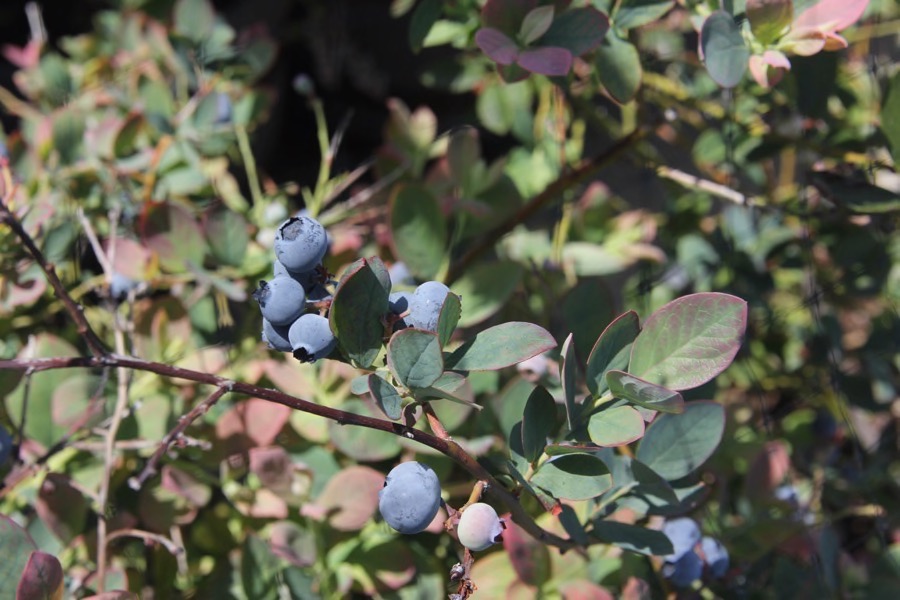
300,244
120,285
311,338
410,498
425,305
6,444
281,300
684,533
716,556
276,336
398,302
685,571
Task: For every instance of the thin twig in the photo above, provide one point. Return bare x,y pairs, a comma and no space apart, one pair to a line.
184,422
147,536
436,426
582,172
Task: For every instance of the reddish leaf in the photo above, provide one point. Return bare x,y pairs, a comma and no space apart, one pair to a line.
551,61
273,467
831,15
506,15
254,422
114,595
185,485
42,578
530,558
61,507
768,470
583,589
497,46
173,233
350,497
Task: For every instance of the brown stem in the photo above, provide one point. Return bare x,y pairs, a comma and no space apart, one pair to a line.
582,172
448,448
436,426
184,422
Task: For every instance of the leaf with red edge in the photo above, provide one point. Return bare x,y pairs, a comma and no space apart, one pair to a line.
42,578
499,48
550,61
689,341
61,507
350,497
530,558
15,547
831,15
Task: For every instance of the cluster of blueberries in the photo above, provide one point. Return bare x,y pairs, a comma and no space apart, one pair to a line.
693,552
300,280
411,498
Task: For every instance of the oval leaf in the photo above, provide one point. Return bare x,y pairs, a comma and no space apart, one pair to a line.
536,23
612,351
690,340
640,392
567,375
414,357
485,288
386,396
616,426
578,30
538,422
419,230
15,548
448,318
619,68
42,578
501,346
550,61
359,304
724,51
499,48
633,537
573,477
676,445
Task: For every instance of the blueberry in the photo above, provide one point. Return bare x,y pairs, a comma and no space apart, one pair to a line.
398,302
300,244
6,444
716,556
276,336
400,275
410,498
479,526
120,285
425,305
684,571
223,109
684,533
311,338
281,300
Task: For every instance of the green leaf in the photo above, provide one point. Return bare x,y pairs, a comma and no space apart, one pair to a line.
612,351
449,317
634,13
769,19
578,30
643,393
226,233
509,404
15,548
485,288
447,387
567,374
856,195
501,346
724,51
194,19
423,18
258,568
419,230
616,426
463,153
890,117
573,477
586,311
536,23
68,135
381,272
676,445
690,340
414,357
361,443
619,68
172,232
538,423
632,537
386,396
500,108
357,309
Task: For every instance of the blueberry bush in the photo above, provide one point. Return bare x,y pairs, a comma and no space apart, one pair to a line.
612,312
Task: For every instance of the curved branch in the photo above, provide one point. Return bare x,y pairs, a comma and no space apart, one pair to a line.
446,447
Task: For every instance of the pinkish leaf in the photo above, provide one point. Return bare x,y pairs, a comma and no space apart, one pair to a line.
582,589
497,45
273,467
803,42
769,67
551,61
61,507
831,15
530,558
42,578
254,422
350,497
506,15
185,485
24,57
114,595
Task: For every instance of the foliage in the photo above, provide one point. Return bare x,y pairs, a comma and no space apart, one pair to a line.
672,307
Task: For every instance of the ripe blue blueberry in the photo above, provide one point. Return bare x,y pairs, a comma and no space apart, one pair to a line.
276,336
684,533
425,305
120,285
398,302
300,244
684,571
6,444
716,556
479,526
281,300
311,338
410,498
